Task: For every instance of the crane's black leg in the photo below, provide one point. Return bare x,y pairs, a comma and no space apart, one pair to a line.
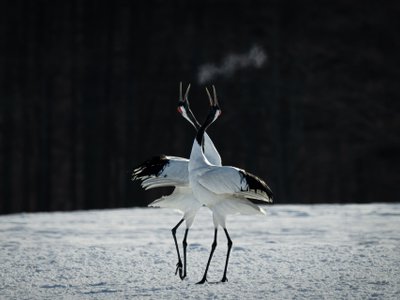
179,264
213,246
184,243
224,279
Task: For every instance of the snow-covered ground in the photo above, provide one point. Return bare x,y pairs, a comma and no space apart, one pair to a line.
295,252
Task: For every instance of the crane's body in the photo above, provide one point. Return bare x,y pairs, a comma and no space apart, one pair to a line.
173,171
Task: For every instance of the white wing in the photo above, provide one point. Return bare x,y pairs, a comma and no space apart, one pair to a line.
210,152
237,182
162,171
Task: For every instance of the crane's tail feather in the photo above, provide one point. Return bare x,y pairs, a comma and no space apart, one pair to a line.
181,199
237,206
256,195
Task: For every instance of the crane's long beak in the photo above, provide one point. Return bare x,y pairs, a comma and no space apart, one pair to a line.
209,97
187,93
213,114
184,108
181,98
180,92
215,96
213,100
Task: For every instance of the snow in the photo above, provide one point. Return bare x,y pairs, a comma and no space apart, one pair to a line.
294,252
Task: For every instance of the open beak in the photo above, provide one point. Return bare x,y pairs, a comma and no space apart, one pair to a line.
181,98
187,93
213,100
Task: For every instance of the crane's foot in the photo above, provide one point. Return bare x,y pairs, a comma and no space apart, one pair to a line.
202,281
179,269
182,276
224,279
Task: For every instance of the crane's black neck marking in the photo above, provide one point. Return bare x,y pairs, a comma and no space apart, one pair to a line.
200,136
209,120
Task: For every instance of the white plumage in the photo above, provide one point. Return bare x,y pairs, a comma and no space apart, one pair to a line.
225,190
173,171
231,181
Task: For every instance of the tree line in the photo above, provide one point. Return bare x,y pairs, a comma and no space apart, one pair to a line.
89,91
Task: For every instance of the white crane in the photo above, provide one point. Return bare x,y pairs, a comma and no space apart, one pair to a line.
167,171
225,190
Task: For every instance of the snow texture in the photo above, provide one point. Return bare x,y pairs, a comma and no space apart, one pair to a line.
294,252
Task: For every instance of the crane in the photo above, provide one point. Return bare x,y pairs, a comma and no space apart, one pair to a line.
225,190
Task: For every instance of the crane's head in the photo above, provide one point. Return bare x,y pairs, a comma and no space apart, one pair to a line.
213,114
184,108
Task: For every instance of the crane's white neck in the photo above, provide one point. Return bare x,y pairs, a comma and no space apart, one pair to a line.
197,157
210,152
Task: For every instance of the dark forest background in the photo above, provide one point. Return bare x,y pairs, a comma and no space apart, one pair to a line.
89,90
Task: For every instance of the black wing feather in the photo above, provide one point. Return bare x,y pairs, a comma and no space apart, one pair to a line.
151,167
255,183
